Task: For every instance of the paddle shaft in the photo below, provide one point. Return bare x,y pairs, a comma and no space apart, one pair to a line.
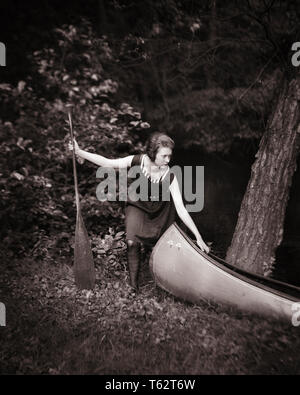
74,163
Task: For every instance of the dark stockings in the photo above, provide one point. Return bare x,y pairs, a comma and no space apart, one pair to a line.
133,259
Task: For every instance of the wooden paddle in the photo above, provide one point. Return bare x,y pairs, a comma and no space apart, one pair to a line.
84,268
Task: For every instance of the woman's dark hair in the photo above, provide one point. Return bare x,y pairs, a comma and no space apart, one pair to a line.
155,141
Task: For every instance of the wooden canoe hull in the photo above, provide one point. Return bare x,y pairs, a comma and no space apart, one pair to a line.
181,268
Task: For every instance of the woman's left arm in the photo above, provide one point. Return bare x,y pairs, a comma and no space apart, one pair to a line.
184,215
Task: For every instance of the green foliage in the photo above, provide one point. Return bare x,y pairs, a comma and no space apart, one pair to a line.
110,251
207,73
36,180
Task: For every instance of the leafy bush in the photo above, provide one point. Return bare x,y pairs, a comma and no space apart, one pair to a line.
36,180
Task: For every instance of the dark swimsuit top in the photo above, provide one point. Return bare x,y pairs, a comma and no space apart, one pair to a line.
158,194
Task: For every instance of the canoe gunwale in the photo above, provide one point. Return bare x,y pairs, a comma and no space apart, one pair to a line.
290,292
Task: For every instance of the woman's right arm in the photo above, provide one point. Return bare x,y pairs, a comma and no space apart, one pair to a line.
100,160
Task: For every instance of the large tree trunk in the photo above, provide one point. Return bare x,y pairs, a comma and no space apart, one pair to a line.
259,229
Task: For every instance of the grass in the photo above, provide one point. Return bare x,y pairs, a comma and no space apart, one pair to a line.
52,328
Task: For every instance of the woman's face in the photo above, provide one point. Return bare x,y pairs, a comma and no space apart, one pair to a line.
163,156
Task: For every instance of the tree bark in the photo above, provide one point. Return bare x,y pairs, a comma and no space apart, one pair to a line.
260,224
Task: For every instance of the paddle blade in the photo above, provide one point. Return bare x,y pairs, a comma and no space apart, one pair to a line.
84,269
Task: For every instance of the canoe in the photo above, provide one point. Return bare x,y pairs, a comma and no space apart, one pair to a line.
180,267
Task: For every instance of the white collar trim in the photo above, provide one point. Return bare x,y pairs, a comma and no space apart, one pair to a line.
149,175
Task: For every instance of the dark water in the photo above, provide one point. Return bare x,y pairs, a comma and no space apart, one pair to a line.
225,181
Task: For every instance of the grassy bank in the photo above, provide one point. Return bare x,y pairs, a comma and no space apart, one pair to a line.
54,329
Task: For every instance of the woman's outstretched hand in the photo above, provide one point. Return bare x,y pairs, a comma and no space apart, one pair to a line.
202,245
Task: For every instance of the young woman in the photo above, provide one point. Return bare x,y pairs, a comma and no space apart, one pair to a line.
148,217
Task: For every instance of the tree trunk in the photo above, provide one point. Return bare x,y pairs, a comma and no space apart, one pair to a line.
260,224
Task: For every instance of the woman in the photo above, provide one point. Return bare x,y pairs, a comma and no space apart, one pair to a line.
148,217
